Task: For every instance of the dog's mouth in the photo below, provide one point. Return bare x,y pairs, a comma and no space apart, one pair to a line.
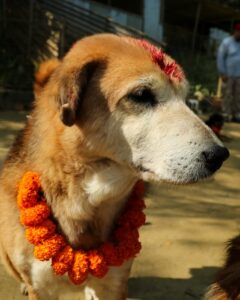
150,176
143,169
147,174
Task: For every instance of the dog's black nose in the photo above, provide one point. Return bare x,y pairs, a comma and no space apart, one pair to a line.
214,157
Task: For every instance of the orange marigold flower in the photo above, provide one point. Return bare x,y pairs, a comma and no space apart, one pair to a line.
35,215
128,244
126,235
139,189
134,218
97,264
28,190
137,248
37,234
136,204
121,234
129,250
40,231
110,254
122,253
63,261
79,271
49,247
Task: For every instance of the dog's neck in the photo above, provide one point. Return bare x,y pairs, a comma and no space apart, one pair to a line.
86,205
86,194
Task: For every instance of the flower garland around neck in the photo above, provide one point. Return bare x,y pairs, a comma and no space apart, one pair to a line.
41,231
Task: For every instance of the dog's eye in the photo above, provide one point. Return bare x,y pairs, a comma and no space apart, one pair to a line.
144,96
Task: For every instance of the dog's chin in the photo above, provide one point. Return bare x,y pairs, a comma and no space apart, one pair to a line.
150,176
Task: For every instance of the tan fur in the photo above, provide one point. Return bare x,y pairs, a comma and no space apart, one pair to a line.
87,139
226,285
8,264
43,74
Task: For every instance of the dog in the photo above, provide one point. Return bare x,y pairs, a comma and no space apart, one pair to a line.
226,285
111,113
216,123
43,74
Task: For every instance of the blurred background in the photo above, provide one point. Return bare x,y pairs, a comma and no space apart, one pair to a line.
187,227
34,30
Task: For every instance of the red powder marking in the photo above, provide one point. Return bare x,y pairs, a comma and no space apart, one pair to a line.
171,69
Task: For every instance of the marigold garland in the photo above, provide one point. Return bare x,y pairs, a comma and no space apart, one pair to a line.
49,248
97,264
36,234
62,260
35,214
79,270
111,254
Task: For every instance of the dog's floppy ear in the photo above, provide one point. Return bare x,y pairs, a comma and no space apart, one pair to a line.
43,74
71,91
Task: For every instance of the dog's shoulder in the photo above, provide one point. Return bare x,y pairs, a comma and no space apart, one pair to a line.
18,150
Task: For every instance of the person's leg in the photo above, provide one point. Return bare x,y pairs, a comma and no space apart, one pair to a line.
236,100
227,99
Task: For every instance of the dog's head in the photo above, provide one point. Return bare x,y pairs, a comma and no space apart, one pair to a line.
123,100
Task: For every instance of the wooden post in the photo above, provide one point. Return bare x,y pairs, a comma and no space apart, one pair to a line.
219,88
198,13
30,27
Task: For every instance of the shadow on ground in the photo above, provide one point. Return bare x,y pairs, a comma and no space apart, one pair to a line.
155,288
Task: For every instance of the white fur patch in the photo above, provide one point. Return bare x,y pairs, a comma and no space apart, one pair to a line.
108,182
48,284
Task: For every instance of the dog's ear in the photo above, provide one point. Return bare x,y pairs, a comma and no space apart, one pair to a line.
72,86
43,74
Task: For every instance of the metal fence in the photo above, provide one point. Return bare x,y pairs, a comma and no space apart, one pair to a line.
36,30
78,22
45,28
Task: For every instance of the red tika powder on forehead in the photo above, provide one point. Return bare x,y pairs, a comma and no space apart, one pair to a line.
171,69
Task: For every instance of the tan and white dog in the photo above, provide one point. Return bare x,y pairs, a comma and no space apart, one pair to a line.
109,115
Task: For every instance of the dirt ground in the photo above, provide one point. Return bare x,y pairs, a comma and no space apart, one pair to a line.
187,227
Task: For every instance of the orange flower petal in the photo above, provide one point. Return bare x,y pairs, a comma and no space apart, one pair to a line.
128,248
40,231
110,254
135,204
37,234
28,190
97,264
35,215
134,218
49,247
63,261
79,271
139,189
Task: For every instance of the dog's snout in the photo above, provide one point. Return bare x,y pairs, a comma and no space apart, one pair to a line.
215,156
